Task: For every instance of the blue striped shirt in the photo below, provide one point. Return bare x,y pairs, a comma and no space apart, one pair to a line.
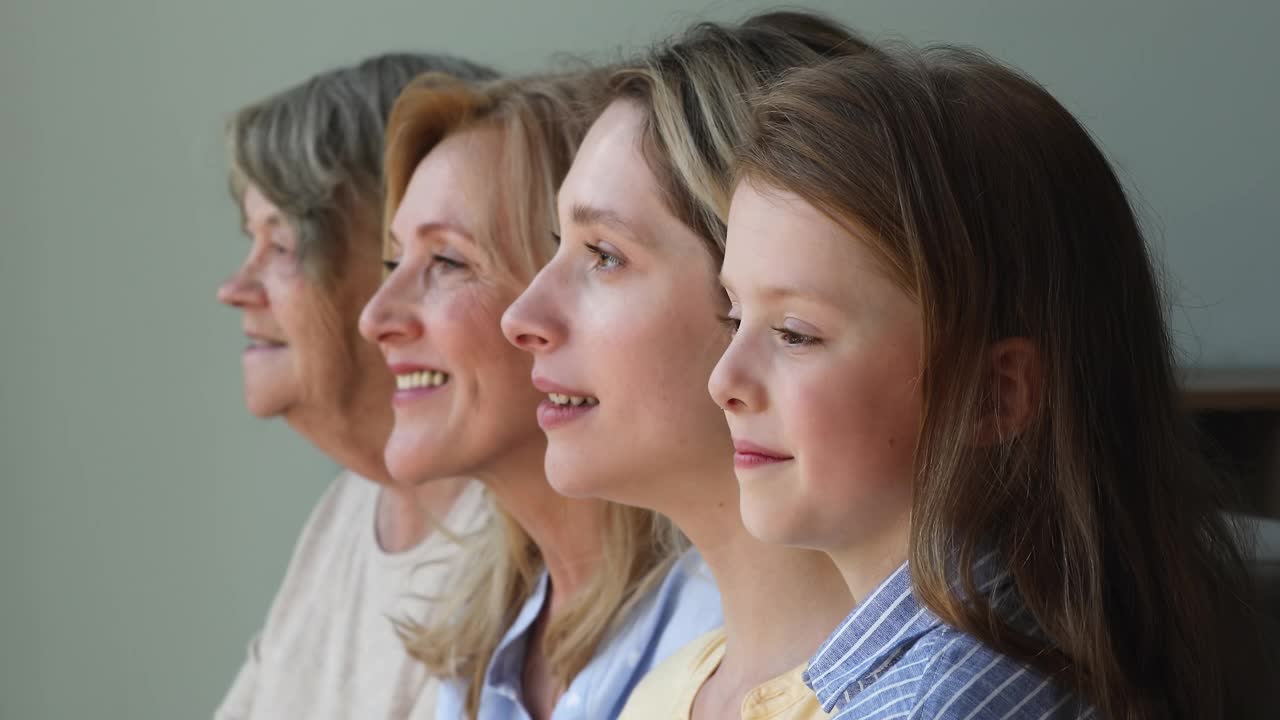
892,658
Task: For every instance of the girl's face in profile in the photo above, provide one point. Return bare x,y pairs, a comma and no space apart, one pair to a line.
820,382
622,325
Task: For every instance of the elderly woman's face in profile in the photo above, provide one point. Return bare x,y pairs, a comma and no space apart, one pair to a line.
463,401
302,352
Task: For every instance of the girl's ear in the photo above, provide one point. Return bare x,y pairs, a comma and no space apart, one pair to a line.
1017,382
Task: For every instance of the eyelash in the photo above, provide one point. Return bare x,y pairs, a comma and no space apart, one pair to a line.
789,337
447,262
795,339
604,260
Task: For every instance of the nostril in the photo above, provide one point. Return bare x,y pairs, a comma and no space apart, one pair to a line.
530,340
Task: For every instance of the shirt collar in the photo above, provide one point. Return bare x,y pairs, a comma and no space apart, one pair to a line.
506,667
876,634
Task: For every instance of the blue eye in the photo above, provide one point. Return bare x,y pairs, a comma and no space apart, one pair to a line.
446,263
605,260
795,339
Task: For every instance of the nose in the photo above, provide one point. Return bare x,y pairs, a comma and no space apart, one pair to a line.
390,315
242,290
734,384
533,322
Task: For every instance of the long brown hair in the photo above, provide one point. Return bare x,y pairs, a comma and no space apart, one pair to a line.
541,120
988,202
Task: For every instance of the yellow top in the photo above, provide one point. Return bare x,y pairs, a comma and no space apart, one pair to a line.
667,692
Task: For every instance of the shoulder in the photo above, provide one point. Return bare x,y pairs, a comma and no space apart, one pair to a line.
687,604
689,581
347,507
668,689
960,677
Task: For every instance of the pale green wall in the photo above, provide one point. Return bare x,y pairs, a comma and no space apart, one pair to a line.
145,519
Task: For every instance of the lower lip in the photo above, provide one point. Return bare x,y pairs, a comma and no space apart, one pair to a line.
748,461
551,415
258,349
401,398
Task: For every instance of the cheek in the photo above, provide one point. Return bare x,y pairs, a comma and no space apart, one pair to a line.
469,334
855,428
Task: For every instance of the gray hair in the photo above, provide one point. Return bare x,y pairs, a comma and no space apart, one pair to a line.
315,149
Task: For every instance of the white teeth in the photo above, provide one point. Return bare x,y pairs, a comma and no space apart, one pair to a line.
424,378
573,400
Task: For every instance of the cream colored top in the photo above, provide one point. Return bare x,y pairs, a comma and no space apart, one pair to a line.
667,693
328,649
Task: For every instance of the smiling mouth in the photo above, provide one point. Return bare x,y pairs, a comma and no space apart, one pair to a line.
562,400
421,379
257,343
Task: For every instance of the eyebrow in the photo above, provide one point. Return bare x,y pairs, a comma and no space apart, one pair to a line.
780,292
270,222
589,215
431,227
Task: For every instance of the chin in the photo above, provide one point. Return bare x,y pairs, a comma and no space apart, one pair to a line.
263,406
573,478
773,522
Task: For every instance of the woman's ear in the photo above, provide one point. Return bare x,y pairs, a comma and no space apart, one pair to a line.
1017,382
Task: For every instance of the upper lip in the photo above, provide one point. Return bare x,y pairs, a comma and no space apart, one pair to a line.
746,447
547,386
258,337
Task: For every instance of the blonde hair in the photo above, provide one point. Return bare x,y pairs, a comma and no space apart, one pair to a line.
541,121
691,91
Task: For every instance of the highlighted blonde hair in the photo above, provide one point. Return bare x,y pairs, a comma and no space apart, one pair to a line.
692,92
541,121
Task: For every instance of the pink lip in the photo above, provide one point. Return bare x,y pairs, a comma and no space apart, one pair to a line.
747,455
260,344
551,415
402,398
547,386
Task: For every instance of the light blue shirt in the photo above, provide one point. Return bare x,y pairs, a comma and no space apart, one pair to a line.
892,658
684,606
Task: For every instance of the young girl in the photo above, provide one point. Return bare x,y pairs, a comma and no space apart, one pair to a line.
951,372
622,326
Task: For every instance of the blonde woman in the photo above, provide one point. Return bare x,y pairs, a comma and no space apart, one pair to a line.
306,173
562,604
627,316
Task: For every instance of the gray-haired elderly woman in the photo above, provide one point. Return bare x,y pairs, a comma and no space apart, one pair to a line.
306,172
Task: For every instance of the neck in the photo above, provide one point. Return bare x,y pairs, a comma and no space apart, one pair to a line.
406,516
770,628
866,563
354,440
566,531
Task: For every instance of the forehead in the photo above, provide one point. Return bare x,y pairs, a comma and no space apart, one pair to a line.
609,170
257,209
778,240
453,185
